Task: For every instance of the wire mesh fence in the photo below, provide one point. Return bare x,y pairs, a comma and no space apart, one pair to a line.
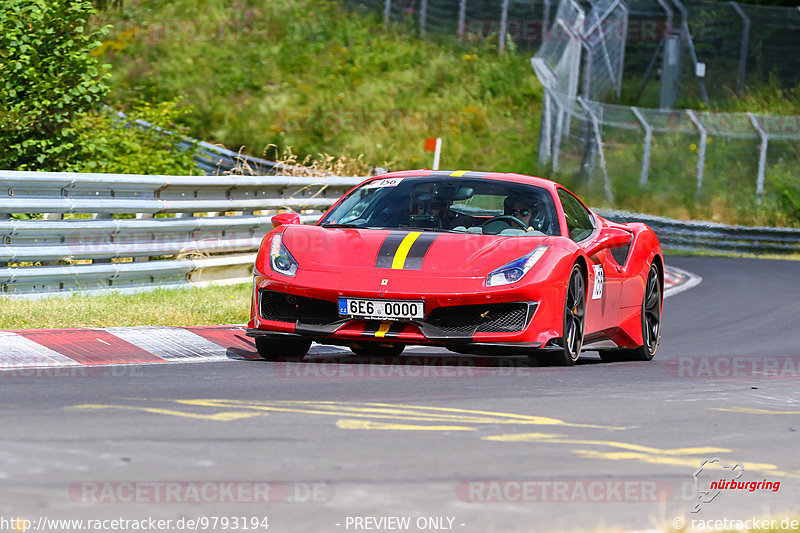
680,155
676,53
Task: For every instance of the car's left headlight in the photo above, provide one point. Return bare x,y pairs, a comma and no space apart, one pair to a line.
513,271
280,259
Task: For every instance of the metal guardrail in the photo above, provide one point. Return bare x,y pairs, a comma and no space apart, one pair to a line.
698,236
190,240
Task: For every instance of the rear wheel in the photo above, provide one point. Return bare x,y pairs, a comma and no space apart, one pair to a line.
651,324
574,321
377,350
272,348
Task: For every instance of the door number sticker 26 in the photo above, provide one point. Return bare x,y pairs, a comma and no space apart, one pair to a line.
599,278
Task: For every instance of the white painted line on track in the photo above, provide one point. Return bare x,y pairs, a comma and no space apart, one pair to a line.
692,280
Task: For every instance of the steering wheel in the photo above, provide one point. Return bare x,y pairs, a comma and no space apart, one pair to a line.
508,220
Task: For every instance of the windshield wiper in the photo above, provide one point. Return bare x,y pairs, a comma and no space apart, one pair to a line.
438,230
342,226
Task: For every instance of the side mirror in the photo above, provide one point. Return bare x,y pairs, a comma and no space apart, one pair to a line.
285,218
609,238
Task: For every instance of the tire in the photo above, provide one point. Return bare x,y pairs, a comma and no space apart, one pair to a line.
373,349
574,322
651,324
273,348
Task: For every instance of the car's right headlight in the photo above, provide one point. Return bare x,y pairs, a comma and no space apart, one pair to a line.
513,271
280,259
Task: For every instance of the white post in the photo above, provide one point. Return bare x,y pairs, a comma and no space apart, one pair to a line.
762,155
437,153
701,155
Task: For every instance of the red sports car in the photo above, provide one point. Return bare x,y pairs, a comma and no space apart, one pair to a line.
476,262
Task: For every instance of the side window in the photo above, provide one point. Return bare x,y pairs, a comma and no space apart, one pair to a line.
579,221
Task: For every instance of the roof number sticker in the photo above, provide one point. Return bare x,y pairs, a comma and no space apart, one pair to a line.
386,182
599,278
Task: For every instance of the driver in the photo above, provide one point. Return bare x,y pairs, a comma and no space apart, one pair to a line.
439,210
520,208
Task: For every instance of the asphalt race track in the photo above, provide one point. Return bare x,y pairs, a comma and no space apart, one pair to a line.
337,443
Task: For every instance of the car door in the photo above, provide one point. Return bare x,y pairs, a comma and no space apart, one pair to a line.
604,283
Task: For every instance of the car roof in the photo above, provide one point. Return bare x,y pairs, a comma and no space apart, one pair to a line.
501,176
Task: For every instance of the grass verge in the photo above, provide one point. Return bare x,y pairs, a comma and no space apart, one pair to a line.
194,306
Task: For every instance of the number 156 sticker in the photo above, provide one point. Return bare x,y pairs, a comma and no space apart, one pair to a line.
599,278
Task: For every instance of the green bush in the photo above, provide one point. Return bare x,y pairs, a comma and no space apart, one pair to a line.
48,77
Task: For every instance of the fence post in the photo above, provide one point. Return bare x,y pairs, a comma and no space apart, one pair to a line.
462,18
557,138
423,15
545,129
648,138
501,45
762,156
545,20
701,156
387,11
598,140
743,51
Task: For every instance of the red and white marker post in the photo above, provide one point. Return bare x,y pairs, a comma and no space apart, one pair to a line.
434,144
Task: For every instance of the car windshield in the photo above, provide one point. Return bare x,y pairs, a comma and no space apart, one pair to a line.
461,205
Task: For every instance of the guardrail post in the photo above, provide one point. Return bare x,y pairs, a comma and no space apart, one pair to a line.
423,15
101,216
4,216
762,156
387,11
701,155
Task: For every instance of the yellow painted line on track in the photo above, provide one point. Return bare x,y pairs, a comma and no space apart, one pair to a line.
750,411
368,424
560,439
402,250
685,457
390,411
219,417
678,461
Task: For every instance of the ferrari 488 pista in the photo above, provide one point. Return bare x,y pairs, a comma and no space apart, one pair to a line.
475,262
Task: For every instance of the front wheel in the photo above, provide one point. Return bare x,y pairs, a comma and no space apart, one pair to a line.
651,324
574,321
272,348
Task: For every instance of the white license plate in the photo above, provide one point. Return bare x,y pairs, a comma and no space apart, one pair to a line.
381,309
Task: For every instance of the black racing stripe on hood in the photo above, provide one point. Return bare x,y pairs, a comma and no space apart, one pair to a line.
418,250
389,248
